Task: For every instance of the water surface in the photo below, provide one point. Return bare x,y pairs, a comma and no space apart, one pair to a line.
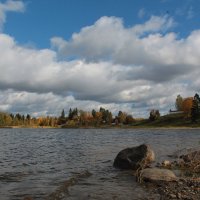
38,162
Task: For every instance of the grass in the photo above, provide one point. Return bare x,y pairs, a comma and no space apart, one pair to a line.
170,120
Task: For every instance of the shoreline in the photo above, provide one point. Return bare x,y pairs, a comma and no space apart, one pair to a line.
104,127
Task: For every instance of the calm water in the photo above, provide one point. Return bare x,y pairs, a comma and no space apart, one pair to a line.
40,162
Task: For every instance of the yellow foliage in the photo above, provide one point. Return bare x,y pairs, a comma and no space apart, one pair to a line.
187,105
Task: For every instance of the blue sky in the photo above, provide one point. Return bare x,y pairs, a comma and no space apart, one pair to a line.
129,55
47,18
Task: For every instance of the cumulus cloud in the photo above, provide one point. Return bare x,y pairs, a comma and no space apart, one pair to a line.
144,50
9,6
154,24
108,37
40,71
132,69
51,104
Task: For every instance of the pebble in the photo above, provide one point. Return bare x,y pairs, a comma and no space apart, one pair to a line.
179,196
173,196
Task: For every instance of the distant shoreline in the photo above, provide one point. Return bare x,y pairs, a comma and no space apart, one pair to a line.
103,127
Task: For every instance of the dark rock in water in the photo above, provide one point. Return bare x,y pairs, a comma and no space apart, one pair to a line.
134,158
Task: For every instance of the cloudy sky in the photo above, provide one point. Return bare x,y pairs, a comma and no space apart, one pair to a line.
129,55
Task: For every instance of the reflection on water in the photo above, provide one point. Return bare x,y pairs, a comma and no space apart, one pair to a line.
38,162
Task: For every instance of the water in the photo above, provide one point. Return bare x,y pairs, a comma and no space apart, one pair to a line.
43,163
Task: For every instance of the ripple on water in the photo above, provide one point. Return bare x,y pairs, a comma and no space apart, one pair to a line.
63,190
13,176
41,162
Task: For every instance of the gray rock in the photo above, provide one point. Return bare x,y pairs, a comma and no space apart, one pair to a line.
134,158
173,196
156,174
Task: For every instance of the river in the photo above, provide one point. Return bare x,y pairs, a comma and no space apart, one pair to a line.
76,164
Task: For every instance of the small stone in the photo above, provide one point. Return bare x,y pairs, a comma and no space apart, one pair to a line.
173,196
166,163
179,196
180,183
185,197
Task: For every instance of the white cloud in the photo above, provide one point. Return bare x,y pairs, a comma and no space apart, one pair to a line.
9,6
108,38
51,104
116,67
154,24
142,57
39,71
97,40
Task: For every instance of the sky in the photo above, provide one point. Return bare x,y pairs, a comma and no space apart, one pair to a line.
129,55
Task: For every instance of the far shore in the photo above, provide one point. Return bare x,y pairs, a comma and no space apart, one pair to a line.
102,127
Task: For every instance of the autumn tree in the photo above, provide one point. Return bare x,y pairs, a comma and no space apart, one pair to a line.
154,115
122,117
129,119
53,121
187,106
179,102
5,119
98,118
106,116
109,118
86,118
42,121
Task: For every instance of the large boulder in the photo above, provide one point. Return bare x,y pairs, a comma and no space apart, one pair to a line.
156,174
134,158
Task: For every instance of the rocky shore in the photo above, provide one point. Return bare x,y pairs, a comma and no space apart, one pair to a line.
181,189
175,179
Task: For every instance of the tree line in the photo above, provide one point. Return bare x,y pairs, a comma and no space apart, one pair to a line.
25,120
94,118
189,107
74,117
